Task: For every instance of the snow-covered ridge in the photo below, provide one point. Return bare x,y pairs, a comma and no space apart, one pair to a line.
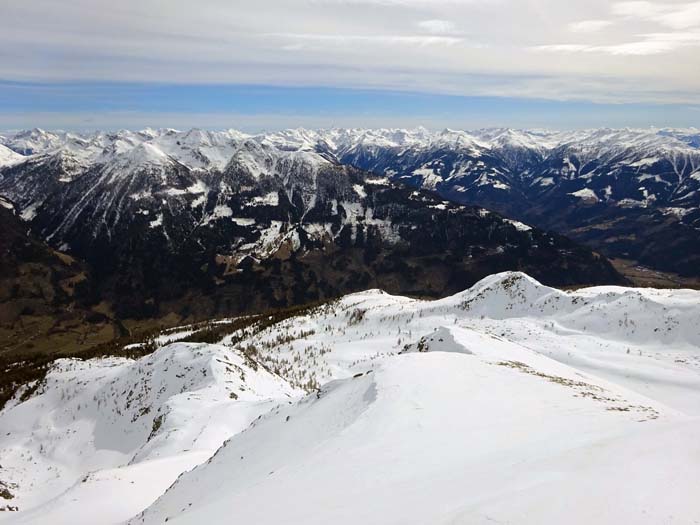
466,409
195,149
666,162
9,157
450,160
171,409
198,148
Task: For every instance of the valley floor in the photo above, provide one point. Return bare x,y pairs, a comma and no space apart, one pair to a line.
510,402
647,277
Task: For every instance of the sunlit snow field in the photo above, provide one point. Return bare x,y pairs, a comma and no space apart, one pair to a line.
510,402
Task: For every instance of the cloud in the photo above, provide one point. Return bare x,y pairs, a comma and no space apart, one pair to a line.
462,47
589,26
348,40
405,3
650,44
438,27
683,19
675,16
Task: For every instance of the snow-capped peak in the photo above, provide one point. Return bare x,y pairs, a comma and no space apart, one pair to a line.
9,157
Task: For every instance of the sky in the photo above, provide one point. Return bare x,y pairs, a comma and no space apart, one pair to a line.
270,64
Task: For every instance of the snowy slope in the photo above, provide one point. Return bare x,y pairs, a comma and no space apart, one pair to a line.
510,402
128,427
8,157
431,439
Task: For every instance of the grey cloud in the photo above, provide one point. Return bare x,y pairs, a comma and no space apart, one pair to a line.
440,46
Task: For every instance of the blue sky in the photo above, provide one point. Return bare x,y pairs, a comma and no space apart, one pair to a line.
87,105
85,64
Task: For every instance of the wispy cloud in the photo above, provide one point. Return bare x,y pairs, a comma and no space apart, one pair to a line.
673,15
346,40
438,27
651,44
679,24
589,26
432,46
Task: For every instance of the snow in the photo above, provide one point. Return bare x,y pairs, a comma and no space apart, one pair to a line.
93,428
429,177
243,221
360,190
519,225
199,201
141,155
220,211
128,161
509,402
397,446
175,191
199,149
500,185
318,231
387,230
377,181
198,187
649,161
9,157
676,212
586,194
272,238
631,203
158,221
269,199
146,194
30,211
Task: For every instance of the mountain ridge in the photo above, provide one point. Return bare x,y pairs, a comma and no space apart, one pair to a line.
161,214
197,430
621,191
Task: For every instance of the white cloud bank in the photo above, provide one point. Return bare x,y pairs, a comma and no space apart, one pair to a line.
599,50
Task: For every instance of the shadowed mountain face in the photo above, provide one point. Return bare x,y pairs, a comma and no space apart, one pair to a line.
48,299
34,277
204,223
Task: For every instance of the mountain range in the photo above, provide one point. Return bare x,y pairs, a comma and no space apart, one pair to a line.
177,341
630,194
203,223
